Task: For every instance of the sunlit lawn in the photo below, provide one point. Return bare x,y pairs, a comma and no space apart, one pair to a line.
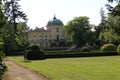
86,68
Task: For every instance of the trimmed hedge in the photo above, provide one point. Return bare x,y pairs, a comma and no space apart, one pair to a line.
109,47
67,54
33,52
118,49
15,53
34,55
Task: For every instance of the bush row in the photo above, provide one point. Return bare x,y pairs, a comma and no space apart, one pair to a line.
78,54
14,53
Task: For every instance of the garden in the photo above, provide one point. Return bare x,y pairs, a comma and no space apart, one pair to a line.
94,57
83,68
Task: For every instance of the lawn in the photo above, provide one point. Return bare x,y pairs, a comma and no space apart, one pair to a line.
86,68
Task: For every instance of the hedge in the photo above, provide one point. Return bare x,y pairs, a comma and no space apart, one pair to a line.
78,54
14,53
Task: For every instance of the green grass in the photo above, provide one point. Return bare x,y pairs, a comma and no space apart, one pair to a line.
87,68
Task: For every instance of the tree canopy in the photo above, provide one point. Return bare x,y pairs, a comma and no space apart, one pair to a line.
78,30
111,26
13,13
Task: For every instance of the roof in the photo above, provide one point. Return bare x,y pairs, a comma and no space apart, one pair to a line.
54,22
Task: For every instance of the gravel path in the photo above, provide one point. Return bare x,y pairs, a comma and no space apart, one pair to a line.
16,72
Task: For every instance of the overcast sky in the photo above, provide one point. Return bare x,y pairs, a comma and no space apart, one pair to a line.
39,12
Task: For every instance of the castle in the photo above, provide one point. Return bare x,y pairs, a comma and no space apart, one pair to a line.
53,36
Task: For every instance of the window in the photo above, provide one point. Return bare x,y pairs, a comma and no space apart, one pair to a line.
35,39
50,30
57,29
41,38
57,37
46,38
50,37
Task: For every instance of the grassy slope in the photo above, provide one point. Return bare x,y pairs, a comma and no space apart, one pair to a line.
90,68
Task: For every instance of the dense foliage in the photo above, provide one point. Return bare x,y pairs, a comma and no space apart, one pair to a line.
109,47
79,31
108,30
15,26
33,52
13,13
2,34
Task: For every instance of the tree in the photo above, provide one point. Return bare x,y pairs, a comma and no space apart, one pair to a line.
13,13
112,31
2,34
20,37
101,26
16,25
78,30
114,11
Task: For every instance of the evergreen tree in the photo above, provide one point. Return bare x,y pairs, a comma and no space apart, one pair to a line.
111,32
13,13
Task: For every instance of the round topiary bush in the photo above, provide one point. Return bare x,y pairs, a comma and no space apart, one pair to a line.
34,53
118,49
109,47
85,49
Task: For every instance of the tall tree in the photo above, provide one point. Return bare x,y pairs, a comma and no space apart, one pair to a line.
101,26
111,33
13,12
78,30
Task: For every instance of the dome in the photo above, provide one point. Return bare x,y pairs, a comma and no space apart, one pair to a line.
54,22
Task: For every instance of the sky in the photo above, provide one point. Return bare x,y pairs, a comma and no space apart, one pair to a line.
39,12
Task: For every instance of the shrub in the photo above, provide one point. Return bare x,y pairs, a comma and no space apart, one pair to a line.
85,49
118,49
34,53
109,47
